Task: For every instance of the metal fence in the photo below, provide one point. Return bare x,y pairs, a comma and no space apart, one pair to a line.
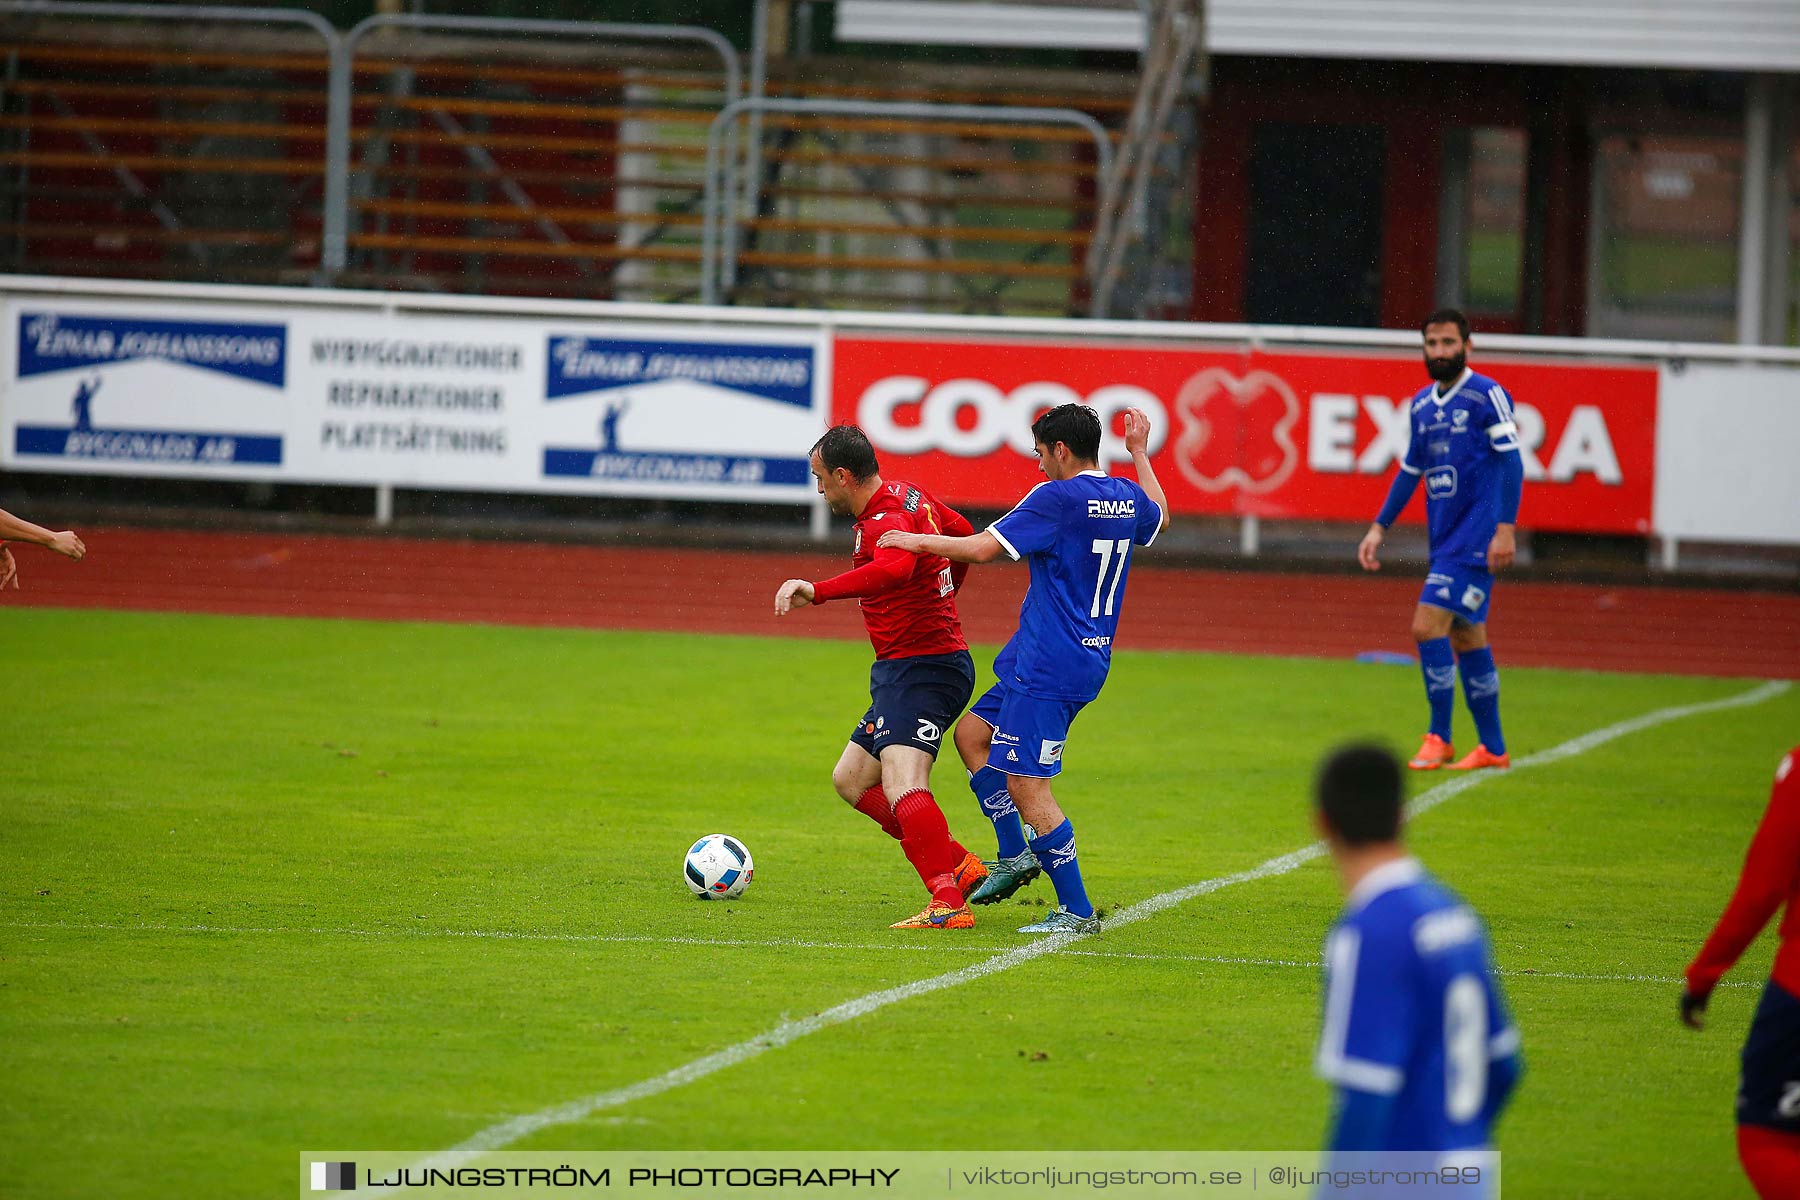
509,156
121,157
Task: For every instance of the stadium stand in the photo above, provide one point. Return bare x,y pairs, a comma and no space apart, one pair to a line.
513,165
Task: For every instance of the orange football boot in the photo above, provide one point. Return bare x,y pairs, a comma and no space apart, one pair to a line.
939,916
969,874
1479,758
1434,752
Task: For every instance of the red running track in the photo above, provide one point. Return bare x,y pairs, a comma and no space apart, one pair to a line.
1676,630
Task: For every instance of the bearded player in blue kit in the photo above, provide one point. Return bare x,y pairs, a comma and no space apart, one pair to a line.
1465,445
1076,531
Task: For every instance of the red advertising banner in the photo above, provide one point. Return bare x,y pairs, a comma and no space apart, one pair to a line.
1294,434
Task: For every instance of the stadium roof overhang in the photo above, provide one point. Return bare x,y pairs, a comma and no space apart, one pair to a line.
1728,35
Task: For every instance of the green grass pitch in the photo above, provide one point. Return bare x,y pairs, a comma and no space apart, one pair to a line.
269,885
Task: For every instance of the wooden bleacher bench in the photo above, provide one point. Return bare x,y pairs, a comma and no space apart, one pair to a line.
123,234
612,217
158,162
691,254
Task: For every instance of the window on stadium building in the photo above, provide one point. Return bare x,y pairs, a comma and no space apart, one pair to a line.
1481,253
1664,248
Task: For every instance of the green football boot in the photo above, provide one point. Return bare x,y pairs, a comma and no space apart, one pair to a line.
1006,877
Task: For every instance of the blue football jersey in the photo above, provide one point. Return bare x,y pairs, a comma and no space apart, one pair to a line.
1413,1010
1457,443
1076,535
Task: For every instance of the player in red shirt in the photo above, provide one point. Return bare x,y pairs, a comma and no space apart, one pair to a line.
922,678
1768,1102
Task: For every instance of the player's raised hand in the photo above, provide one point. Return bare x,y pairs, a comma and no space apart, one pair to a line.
1137,432
1501,550
1693,1009
899,539
9,570
1368,548
67,543
795,593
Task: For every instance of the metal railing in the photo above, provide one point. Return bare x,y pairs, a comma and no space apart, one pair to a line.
336,250
428,122
718,247
337,121
1174,39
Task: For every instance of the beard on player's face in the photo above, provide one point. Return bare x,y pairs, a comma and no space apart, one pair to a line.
1445,370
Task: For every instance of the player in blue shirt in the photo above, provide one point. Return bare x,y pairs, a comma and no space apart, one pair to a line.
1076,532
1416,1035
1465,446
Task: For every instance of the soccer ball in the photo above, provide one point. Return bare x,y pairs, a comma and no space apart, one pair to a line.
718,868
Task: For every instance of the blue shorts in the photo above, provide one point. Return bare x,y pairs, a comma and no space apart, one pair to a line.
1459,589
913,700
1029,731
1769,1091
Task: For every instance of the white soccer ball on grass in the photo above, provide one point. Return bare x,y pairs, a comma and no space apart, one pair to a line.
718,867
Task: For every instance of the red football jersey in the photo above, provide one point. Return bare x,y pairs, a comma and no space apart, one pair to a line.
1771,878
908,600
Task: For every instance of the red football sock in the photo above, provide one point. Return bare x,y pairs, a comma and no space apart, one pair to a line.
874,805
1771,1159
925,837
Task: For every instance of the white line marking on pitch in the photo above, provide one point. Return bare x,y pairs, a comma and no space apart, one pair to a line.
936,946
494,1137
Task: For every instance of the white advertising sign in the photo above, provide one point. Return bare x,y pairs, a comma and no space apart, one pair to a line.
164,388
1728,454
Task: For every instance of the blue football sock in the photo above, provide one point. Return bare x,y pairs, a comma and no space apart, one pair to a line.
1437,663
1056,854
989,786
1481,688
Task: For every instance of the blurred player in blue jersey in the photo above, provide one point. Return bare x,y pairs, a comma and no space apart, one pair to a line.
1076,532
1465,445
1416,1035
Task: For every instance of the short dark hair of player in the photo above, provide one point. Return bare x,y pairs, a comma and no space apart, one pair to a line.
1074,425
1359,794
1446,316
848,447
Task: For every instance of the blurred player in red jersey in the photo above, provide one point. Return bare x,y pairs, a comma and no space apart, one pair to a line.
1768,1102
20,530
922,678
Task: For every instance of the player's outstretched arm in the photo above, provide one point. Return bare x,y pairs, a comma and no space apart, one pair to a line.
1137,442
795,593
982,547
17,529
954,524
